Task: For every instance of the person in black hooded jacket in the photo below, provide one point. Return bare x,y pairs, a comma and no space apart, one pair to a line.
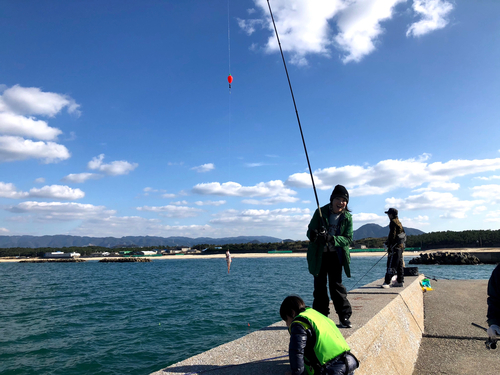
493,301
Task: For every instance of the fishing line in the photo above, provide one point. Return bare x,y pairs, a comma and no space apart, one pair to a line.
357,282
296,113
229,80
229,43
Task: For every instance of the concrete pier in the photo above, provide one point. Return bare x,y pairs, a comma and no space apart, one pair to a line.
387,330
451,344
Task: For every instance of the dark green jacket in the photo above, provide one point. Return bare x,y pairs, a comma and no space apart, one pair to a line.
344,240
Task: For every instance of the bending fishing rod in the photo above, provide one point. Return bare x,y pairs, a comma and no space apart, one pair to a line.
297,114
357,282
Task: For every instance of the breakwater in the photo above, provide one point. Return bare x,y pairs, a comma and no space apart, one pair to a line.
66,260
124,260
453,258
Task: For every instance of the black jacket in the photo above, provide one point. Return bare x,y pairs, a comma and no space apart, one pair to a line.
493,313
298,342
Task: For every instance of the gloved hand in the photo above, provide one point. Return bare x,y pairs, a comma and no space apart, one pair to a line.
325,236
494,332
320,234
314,235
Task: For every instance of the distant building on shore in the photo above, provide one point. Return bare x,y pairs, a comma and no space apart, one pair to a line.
60,254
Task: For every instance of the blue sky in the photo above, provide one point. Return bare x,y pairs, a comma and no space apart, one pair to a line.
116,117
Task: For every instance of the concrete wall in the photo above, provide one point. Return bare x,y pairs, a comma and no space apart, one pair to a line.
389,342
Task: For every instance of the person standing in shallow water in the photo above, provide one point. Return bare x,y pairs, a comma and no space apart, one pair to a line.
228,260
328,253
395,245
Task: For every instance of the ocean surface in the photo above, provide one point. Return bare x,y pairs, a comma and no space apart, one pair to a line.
137,318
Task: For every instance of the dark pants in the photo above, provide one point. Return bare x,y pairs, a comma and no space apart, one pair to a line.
395,265
331,269
344,364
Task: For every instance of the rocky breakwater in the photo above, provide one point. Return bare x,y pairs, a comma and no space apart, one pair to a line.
68,260
445,258
124,260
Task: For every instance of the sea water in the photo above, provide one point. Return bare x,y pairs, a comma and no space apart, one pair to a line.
136,318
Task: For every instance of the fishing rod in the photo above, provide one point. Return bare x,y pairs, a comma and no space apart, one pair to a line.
490,343
357,282
297,114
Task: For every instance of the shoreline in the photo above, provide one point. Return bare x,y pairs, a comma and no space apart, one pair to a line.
279,255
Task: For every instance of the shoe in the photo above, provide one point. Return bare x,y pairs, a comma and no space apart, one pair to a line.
398,285
346,323
385,286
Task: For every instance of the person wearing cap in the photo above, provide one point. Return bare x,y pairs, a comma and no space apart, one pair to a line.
330,236
395,245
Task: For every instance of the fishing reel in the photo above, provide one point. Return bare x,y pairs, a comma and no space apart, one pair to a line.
491,344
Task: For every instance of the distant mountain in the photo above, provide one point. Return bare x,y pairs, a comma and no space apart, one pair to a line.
129,241
376,231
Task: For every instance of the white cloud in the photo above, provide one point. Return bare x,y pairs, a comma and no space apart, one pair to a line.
17,148
173,211
359,26
433,13
487,178
233,189
13,124
391,174
179,203
479,210
8,190
151,190
253,165
114,168
259,221
58,211
302,26
168,195
57,192
17,106
40,180
204,168
366,218
271,201
4,230
115,226
210,203
490,193
79,178
453,207
492,217
438,185
32,101
249,26
310,27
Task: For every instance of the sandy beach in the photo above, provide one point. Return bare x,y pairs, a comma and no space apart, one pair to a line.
211,256
281,255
